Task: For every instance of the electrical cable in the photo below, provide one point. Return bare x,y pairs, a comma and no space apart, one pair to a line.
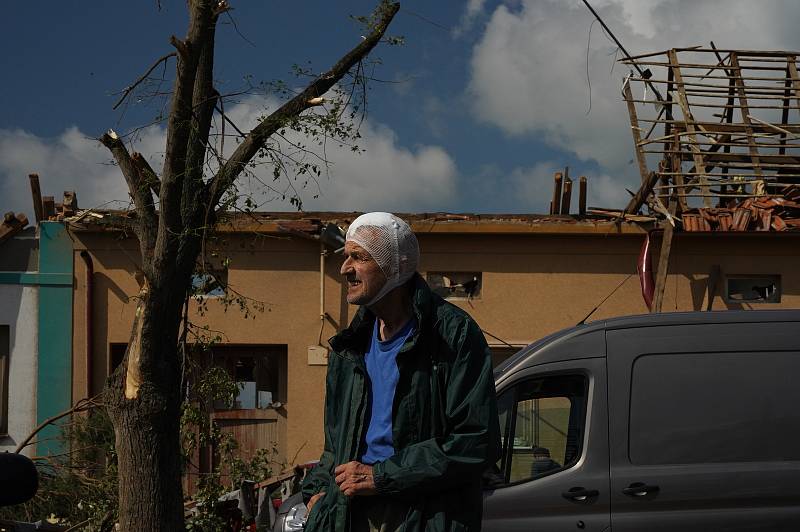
588,80
624,51
605,299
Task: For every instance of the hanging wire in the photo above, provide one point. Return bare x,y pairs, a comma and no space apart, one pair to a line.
588,79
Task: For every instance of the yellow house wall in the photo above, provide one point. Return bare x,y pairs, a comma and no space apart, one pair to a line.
532,285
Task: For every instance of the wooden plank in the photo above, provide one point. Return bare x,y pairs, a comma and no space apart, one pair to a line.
48,207
36,193
728,116
773,89
12,224
640,197
582,195
745,110
555,204
715,159
566,196
663,260
678,177
716,127
697,156
705,66
635,131
721,105
795,79
698,49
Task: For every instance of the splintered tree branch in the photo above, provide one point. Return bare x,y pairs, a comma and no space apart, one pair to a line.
308,98
137,187
146,172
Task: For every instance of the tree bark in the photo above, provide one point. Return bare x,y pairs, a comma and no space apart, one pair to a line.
144,404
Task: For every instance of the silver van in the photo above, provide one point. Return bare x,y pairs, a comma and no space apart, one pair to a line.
662,422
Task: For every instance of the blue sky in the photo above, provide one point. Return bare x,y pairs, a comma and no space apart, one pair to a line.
487,98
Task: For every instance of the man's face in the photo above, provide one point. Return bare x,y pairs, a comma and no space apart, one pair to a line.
363,277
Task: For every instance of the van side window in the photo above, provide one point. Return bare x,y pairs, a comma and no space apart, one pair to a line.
542,423
714,407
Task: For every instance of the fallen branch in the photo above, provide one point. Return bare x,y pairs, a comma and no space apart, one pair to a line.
84,404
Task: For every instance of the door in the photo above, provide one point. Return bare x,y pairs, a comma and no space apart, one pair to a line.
553,474
704,427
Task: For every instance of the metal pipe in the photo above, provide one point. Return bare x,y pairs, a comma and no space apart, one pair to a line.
322,253
89,320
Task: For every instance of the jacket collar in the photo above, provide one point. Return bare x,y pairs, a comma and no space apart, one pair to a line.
357,335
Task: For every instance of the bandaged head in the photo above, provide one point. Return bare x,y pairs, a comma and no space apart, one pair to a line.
392,245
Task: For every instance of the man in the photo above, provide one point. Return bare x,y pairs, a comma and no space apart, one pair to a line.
410,409
542,463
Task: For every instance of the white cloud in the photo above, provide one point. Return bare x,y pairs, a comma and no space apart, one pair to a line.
386,176
70,161
529,68
473,10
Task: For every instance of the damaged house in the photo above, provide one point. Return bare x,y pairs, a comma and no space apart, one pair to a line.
713,226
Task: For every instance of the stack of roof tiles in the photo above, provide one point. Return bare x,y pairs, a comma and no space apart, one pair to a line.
780,213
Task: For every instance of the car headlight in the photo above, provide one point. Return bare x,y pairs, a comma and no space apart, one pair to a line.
295,518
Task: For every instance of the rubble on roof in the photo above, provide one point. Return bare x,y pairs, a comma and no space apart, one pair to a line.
45,207
717,138
751,214
12,224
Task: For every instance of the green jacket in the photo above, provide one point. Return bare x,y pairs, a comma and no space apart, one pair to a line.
445,425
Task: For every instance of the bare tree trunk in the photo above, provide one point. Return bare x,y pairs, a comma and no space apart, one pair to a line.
144,404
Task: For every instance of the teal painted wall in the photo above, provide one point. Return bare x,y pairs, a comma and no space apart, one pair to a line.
54,386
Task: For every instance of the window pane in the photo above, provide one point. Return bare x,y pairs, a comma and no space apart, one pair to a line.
209,284
753,289
458,285
714,407
259,372
548,423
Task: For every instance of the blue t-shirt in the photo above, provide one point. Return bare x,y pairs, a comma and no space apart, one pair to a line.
383,375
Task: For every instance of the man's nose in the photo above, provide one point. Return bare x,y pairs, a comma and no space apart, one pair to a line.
347,266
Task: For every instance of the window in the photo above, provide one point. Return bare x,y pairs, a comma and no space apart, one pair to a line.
542,423
459,285
210,283
5,356
260,372
742,411
753,289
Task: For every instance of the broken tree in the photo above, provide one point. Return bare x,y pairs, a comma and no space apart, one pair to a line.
172,212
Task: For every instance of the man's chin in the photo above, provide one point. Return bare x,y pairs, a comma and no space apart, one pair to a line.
358,299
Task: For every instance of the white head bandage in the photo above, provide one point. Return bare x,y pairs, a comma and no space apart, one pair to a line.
390,242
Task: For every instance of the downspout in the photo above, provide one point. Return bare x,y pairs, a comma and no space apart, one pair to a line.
89,320
322,253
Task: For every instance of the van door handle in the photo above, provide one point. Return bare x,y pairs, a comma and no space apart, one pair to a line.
639,489
579,494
